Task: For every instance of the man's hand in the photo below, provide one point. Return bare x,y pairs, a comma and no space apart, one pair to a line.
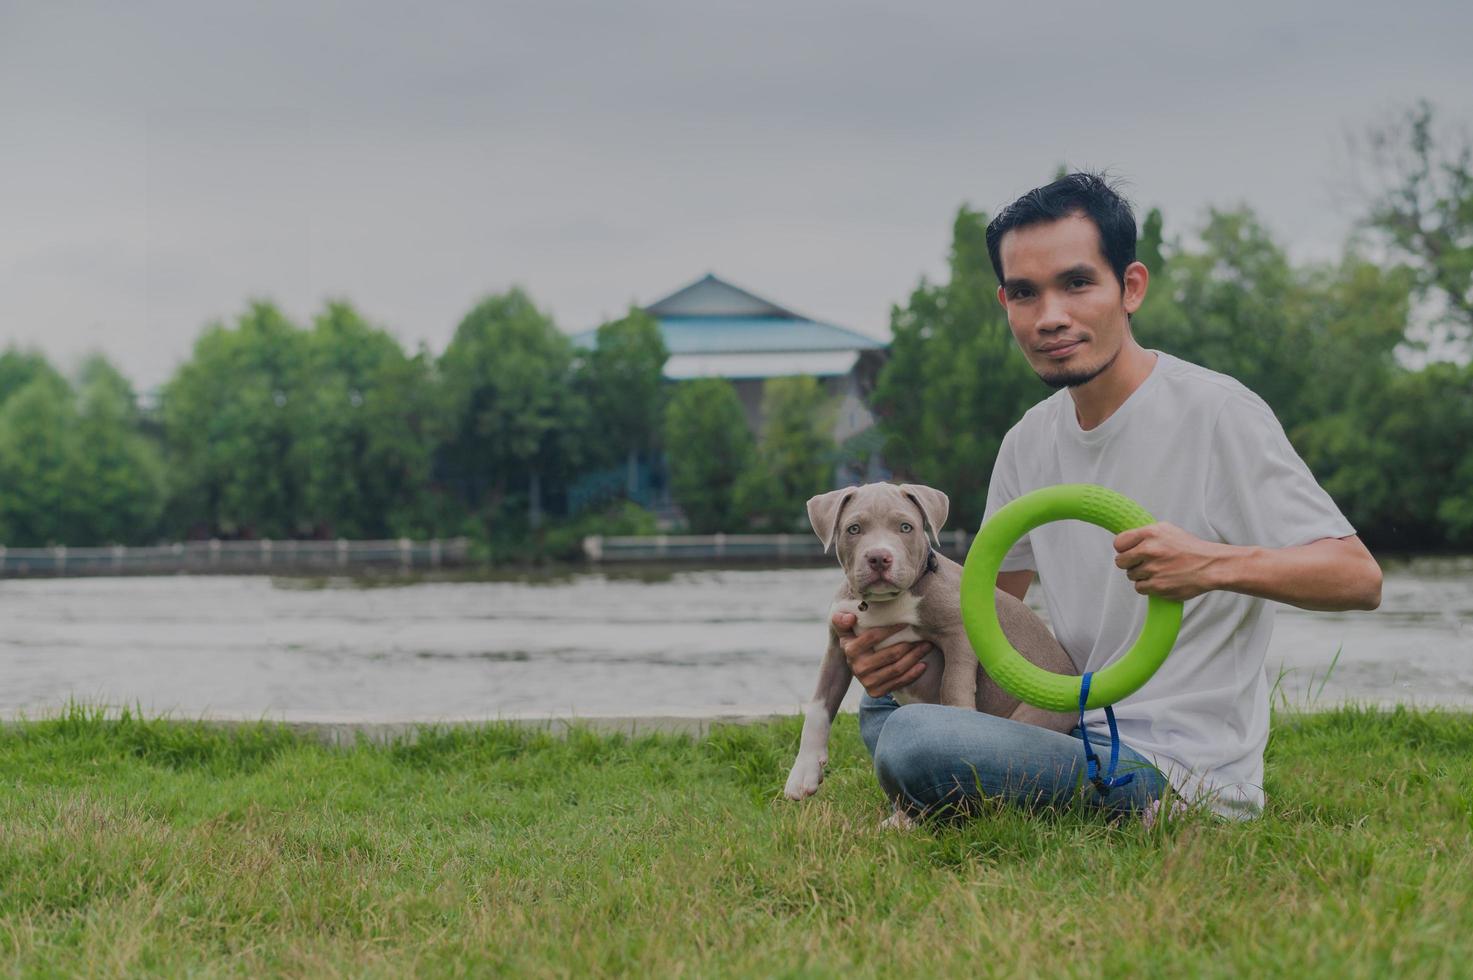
1162,559
879,671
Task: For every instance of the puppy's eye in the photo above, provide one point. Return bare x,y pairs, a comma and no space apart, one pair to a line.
905,527
852,528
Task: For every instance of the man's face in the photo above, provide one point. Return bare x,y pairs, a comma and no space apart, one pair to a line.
1067,310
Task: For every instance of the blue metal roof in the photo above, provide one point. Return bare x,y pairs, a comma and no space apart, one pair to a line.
761,327
724,334
744,335
713,296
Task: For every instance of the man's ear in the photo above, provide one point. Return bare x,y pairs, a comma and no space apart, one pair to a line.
823,514
1137,278
1002,297
934,505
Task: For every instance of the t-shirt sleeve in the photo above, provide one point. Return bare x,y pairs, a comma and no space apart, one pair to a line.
1259,491
1004,488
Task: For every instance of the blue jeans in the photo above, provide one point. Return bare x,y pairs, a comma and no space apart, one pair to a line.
933,759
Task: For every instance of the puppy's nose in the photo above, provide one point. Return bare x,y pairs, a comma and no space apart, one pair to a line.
879,560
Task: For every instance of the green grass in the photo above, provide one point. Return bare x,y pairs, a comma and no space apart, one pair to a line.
141,846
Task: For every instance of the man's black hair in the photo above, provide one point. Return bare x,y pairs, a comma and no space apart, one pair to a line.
1078,193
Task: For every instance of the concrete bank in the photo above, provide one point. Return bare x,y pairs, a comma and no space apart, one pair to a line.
348,732
345,733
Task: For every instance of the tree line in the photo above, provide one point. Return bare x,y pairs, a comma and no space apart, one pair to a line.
273,429
278,429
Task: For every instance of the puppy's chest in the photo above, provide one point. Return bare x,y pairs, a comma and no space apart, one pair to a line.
903,609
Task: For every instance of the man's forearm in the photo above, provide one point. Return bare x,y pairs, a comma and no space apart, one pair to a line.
1329,574
1015,584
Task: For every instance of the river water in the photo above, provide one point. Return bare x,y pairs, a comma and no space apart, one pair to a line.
590,643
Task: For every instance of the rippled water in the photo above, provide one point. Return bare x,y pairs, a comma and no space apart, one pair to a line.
690,641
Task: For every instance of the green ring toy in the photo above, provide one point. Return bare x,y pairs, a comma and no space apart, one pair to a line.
1058,692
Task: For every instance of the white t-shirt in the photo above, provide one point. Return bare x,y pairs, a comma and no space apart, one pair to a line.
1199,450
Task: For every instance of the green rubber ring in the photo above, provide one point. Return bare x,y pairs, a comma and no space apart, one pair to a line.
1022,679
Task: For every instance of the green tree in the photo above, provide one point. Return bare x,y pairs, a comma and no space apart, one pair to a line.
37,449
19,368
76,467
1355,318
710,447
233,415
1354,315
1400,465
954,383
1455,504
1422,207
1150,247
115,474
370,418
796,456
513,421
1160,317
622,381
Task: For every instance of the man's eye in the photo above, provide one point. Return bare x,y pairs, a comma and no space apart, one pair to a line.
1078,283
852,528
905,527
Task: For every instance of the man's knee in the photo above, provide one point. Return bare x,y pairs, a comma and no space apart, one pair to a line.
931,757
914,754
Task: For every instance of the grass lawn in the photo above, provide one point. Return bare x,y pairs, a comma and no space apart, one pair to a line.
137,846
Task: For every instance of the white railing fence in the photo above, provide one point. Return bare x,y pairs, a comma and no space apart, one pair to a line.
234,556
729,547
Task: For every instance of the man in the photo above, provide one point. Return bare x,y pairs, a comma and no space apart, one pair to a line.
1242,523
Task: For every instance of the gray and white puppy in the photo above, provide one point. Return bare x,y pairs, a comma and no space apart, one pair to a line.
893,575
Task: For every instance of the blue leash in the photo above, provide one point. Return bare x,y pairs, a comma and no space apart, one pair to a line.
1103,784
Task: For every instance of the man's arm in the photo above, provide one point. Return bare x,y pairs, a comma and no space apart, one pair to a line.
1328,574
1015,584
1004,486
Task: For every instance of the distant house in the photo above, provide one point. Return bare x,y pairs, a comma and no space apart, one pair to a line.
715,329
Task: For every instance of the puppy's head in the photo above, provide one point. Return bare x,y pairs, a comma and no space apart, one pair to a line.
879,531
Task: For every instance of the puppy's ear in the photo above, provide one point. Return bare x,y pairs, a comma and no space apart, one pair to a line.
933,504
823,514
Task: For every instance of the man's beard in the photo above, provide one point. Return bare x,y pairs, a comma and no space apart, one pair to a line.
1077,377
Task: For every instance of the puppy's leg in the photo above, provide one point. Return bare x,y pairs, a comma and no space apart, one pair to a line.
987,697
959,675
818,718
1054,721
1031,637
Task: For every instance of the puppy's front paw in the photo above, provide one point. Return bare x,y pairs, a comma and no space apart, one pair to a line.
804,779
898,820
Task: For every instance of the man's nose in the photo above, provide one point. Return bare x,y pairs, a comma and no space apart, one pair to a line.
1053,315
879,559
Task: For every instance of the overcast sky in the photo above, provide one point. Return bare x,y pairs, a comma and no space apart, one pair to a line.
162,163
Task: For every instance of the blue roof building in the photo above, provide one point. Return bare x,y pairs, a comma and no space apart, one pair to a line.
715,329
